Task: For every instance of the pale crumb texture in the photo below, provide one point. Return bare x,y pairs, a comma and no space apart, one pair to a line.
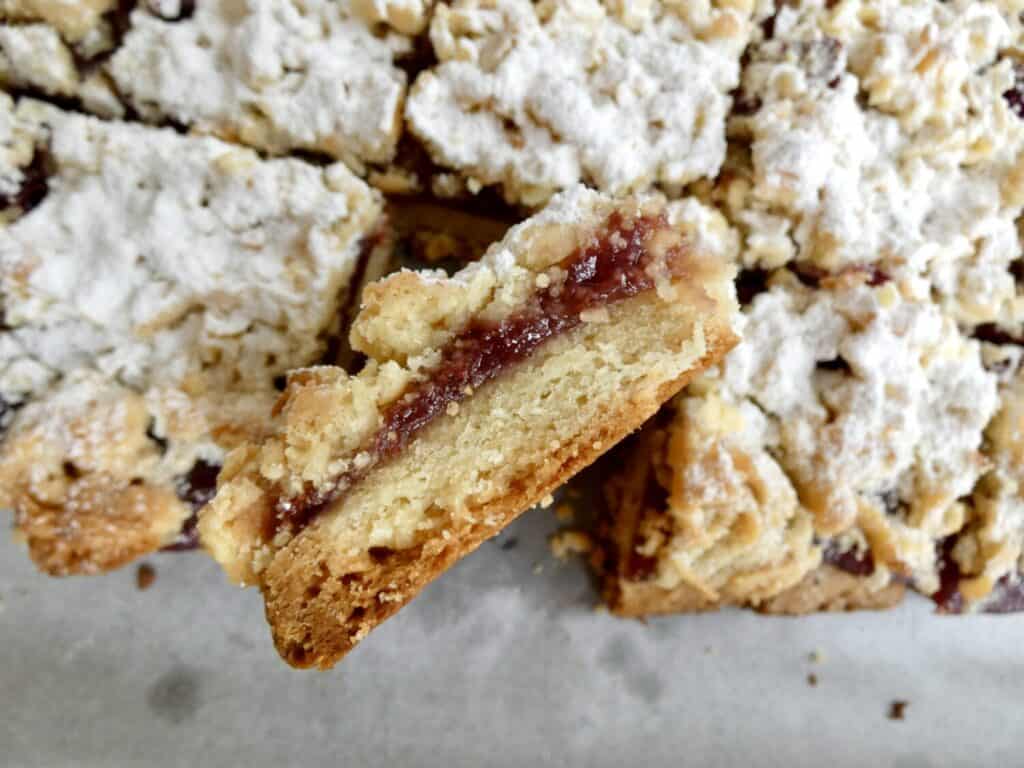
274,75
134,350
847,426
876,132
565,544
514,439
989,553
536,97
874,175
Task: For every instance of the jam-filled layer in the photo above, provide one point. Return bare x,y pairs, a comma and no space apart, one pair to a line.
612,267
1007,595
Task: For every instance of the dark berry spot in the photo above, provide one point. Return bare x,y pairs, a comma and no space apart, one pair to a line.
196,489
161,443
835,364
750,283
994,334
1015,95
852,561
34,184
199,485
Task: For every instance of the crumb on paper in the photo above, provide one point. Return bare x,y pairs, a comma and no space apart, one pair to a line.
817,656
538,569
145,575
564,544
812,679
898,709
510,543
564,512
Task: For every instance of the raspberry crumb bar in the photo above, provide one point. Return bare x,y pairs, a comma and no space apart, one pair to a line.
482,392
153,287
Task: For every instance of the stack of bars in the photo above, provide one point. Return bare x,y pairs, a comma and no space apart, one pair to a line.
778,241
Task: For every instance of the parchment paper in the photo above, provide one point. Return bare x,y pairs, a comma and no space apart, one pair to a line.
503,662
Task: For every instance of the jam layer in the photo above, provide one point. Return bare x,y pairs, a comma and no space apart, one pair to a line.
612,267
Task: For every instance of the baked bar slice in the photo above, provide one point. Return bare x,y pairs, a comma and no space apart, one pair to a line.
276,75
535,97
875,154
482,393
154,289
821,467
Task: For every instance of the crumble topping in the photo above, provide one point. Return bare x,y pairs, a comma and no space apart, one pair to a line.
537,97
851,411
151,294
276,75
880,133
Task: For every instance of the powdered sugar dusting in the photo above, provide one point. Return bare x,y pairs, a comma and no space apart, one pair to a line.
538,97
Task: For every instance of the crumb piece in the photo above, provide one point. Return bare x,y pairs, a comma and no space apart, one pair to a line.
566,543
145,576
817,656
565,513
898,709
538,569
547,501
510,543
812,680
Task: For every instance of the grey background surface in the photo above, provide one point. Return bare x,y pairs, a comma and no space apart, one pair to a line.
495,665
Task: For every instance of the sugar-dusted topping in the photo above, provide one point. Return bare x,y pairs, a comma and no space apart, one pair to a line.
877,407
84,23
176,277
407,16
278,76
34,56
990,550
882,132
536,97
210,262
733,527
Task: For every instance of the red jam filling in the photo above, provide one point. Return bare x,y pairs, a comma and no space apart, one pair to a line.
1007,594
612,267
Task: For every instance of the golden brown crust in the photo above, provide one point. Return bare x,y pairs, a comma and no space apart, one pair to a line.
317,616
826,589
638,510
833,590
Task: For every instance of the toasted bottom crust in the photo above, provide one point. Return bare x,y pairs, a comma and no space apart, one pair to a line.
318,610
825,590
